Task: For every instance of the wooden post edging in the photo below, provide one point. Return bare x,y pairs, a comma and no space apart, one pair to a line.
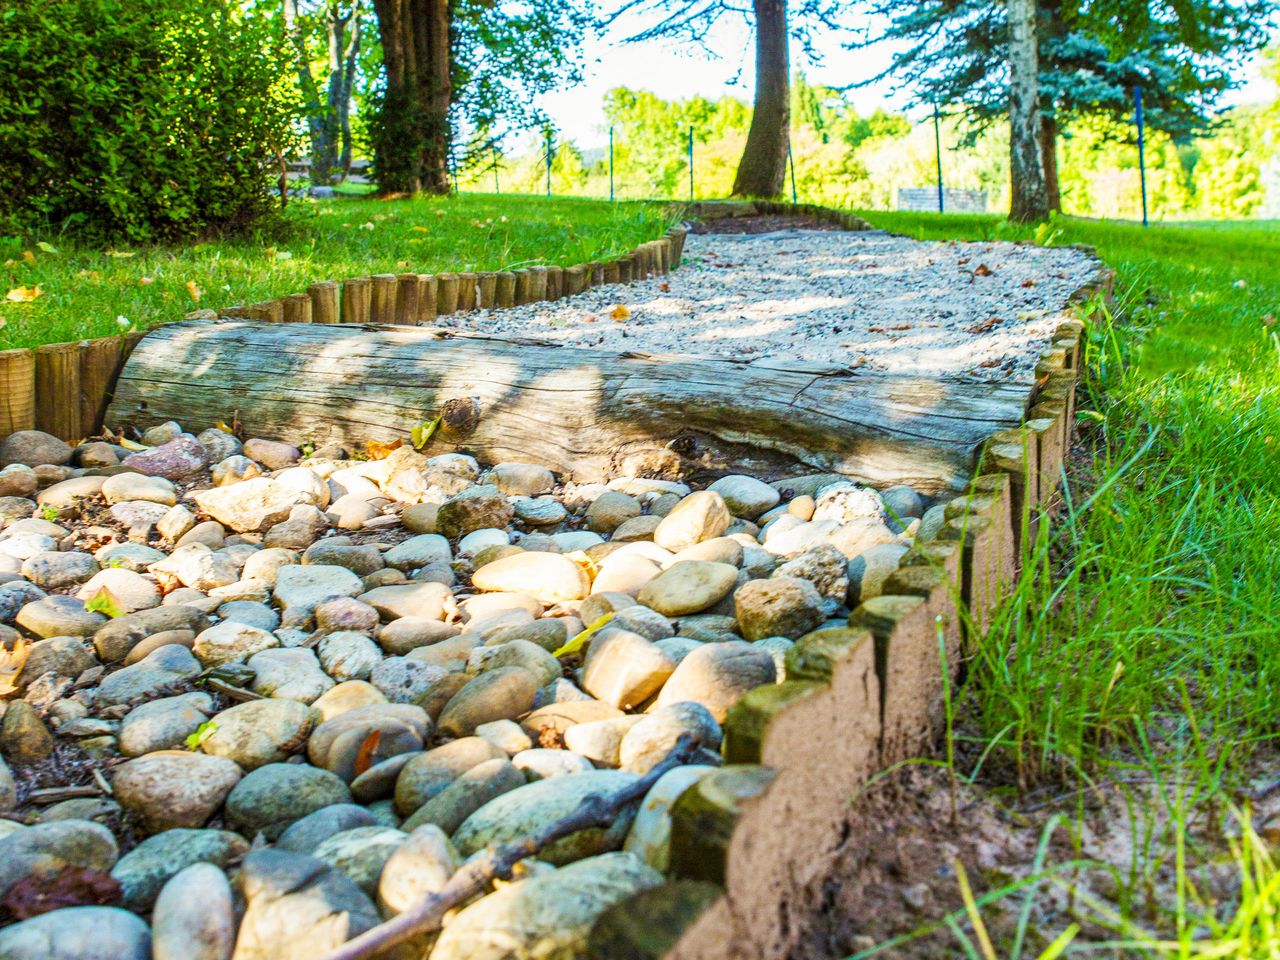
855,700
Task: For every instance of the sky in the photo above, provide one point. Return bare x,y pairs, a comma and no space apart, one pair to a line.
676,70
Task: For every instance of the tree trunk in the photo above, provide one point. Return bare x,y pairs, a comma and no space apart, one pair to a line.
588,414
344,52
763,166
412,132
321,145
1049,146
1030,201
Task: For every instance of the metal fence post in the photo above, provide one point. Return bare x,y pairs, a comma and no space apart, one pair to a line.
791,162
548,163
611,163
691,163
496,187
937,148
1142,158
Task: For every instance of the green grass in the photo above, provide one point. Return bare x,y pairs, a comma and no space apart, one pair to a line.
85,290
1142,642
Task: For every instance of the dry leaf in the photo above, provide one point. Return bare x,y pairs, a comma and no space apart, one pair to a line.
28,256
420,229
380,451
146,281
983,270
24,294
368,751
620,312
664,287
194,291
11,662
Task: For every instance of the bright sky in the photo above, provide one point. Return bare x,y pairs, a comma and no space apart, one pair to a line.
675,70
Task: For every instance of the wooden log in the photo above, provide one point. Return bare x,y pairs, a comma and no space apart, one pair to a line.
357,295
382,306
428,291
17,391
269,311
611,271
325,307
506,289
626,268
595,270
58,389
487,290
537,284
99,363
296,308
407,291
446,294
586,413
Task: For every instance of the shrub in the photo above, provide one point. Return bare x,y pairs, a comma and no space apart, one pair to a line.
140,119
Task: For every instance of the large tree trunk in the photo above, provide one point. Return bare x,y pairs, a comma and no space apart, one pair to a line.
1049,147
344,51
587,414
412,133
1030,201
764,160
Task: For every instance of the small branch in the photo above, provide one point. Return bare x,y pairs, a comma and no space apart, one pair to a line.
235,693
473,877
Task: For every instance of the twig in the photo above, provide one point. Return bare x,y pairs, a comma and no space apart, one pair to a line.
57,794
426,915
235,693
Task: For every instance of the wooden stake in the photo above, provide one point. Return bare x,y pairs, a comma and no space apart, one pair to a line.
325,307
537,284
595,270
466,291
17,391
357,296
58,389
488,290
296,308
506,292
407,294
271,311
555,283
99,364
427,292
446,294
626,269
575,279
524,286
611,271
382,308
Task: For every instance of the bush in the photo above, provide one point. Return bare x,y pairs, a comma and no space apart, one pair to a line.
140,119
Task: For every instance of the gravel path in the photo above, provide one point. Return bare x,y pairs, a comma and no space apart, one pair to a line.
972,310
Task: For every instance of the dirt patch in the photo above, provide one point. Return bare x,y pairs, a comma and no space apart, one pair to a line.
760,224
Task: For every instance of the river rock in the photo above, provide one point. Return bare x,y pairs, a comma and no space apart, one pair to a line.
260,732
48,847
63,656
175,460
468,793
361,560
432,601
289,674
198,566
165,669
346,655
33,448
500,694
717,675
231,642
138,486
650,835
427,774
145,869
462,514
778,607
610,510
308,833
540,763
78,933
360,853
247,506
272,454
544,916
868,571
845,502
699,516
298,908
746,496
690,586
194,916
550,577
624,669
628,574
300,589
115,639
55,569
129,591
174,788
272,797
163,724
530,807
421,865
530,657
599,741
647,742
337,743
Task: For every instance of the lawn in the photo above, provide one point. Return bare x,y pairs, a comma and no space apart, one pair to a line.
89,292
1142,644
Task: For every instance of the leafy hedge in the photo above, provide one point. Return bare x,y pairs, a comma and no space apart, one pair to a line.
140,119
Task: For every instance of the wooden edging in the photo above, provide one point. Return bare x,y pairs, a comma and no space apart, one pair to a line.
752,842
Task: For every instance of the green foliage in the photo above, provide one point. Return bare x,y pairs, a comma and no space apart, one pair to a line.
88,291
203,733
104,602
139,119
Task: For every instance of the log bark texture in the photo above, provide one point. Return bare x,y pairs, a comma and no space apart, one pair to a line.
585,413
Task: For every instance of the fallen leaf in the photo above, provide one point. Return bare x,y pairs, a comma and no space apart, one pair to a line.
1269,320
221,425
422,433
146,281
380,451
982,270
28,256
11,662
368,751
24,294
194,291
46,246
420,229
1028,283
664,287
985,326
132,445
580,641
104,602
122,254
620,312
